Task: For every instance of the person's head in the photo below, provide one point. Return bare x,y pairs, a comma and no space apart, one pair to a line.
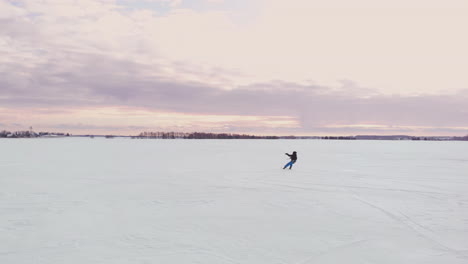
294,152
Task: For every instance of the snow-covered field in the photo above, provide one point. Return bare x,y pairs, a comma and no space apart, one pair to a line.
92,201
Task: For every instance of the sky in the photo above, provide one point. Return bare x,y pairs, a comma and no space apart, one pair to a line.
272,67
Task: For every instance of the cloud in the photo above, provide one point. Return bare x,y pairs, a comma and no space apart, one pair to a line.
326,41
89,127
100,81
9,11
97,54
149,3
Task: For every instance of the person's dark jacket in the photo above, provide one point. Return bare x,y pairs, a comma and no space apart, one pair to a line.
292,156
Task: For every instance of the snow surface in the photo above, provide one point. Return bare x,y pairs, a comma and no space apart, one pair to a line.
91,201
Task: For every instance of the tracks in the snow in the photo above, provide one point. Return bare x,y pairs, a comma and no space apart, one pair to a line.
412,225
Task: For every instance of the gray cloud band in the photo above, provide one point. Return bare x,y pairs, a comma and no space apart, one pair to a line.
101,81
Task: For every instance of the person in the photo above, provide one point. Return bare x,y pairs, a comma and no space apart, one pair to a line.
293,158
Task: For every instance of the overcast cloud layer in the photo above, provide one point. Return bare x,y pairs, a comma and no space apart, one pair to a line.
214,66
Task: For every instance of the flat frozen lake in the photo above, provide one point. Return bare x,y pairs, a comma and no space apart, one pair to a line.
81,200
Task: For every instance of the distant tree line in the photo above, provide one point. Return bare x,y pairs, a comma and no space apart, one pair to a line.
29,134
200,135
17,134
465,138
339,138
203,135
396,137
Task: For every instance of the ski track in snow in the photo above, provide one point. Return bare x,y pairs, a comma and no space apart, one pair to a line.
414,226
338,188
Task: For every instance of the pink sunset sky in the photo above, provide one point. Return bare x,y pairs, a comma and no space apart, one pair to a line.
303,67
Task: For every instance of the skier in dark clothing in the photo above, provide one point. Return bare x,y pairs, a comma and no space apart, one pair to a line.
293,158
